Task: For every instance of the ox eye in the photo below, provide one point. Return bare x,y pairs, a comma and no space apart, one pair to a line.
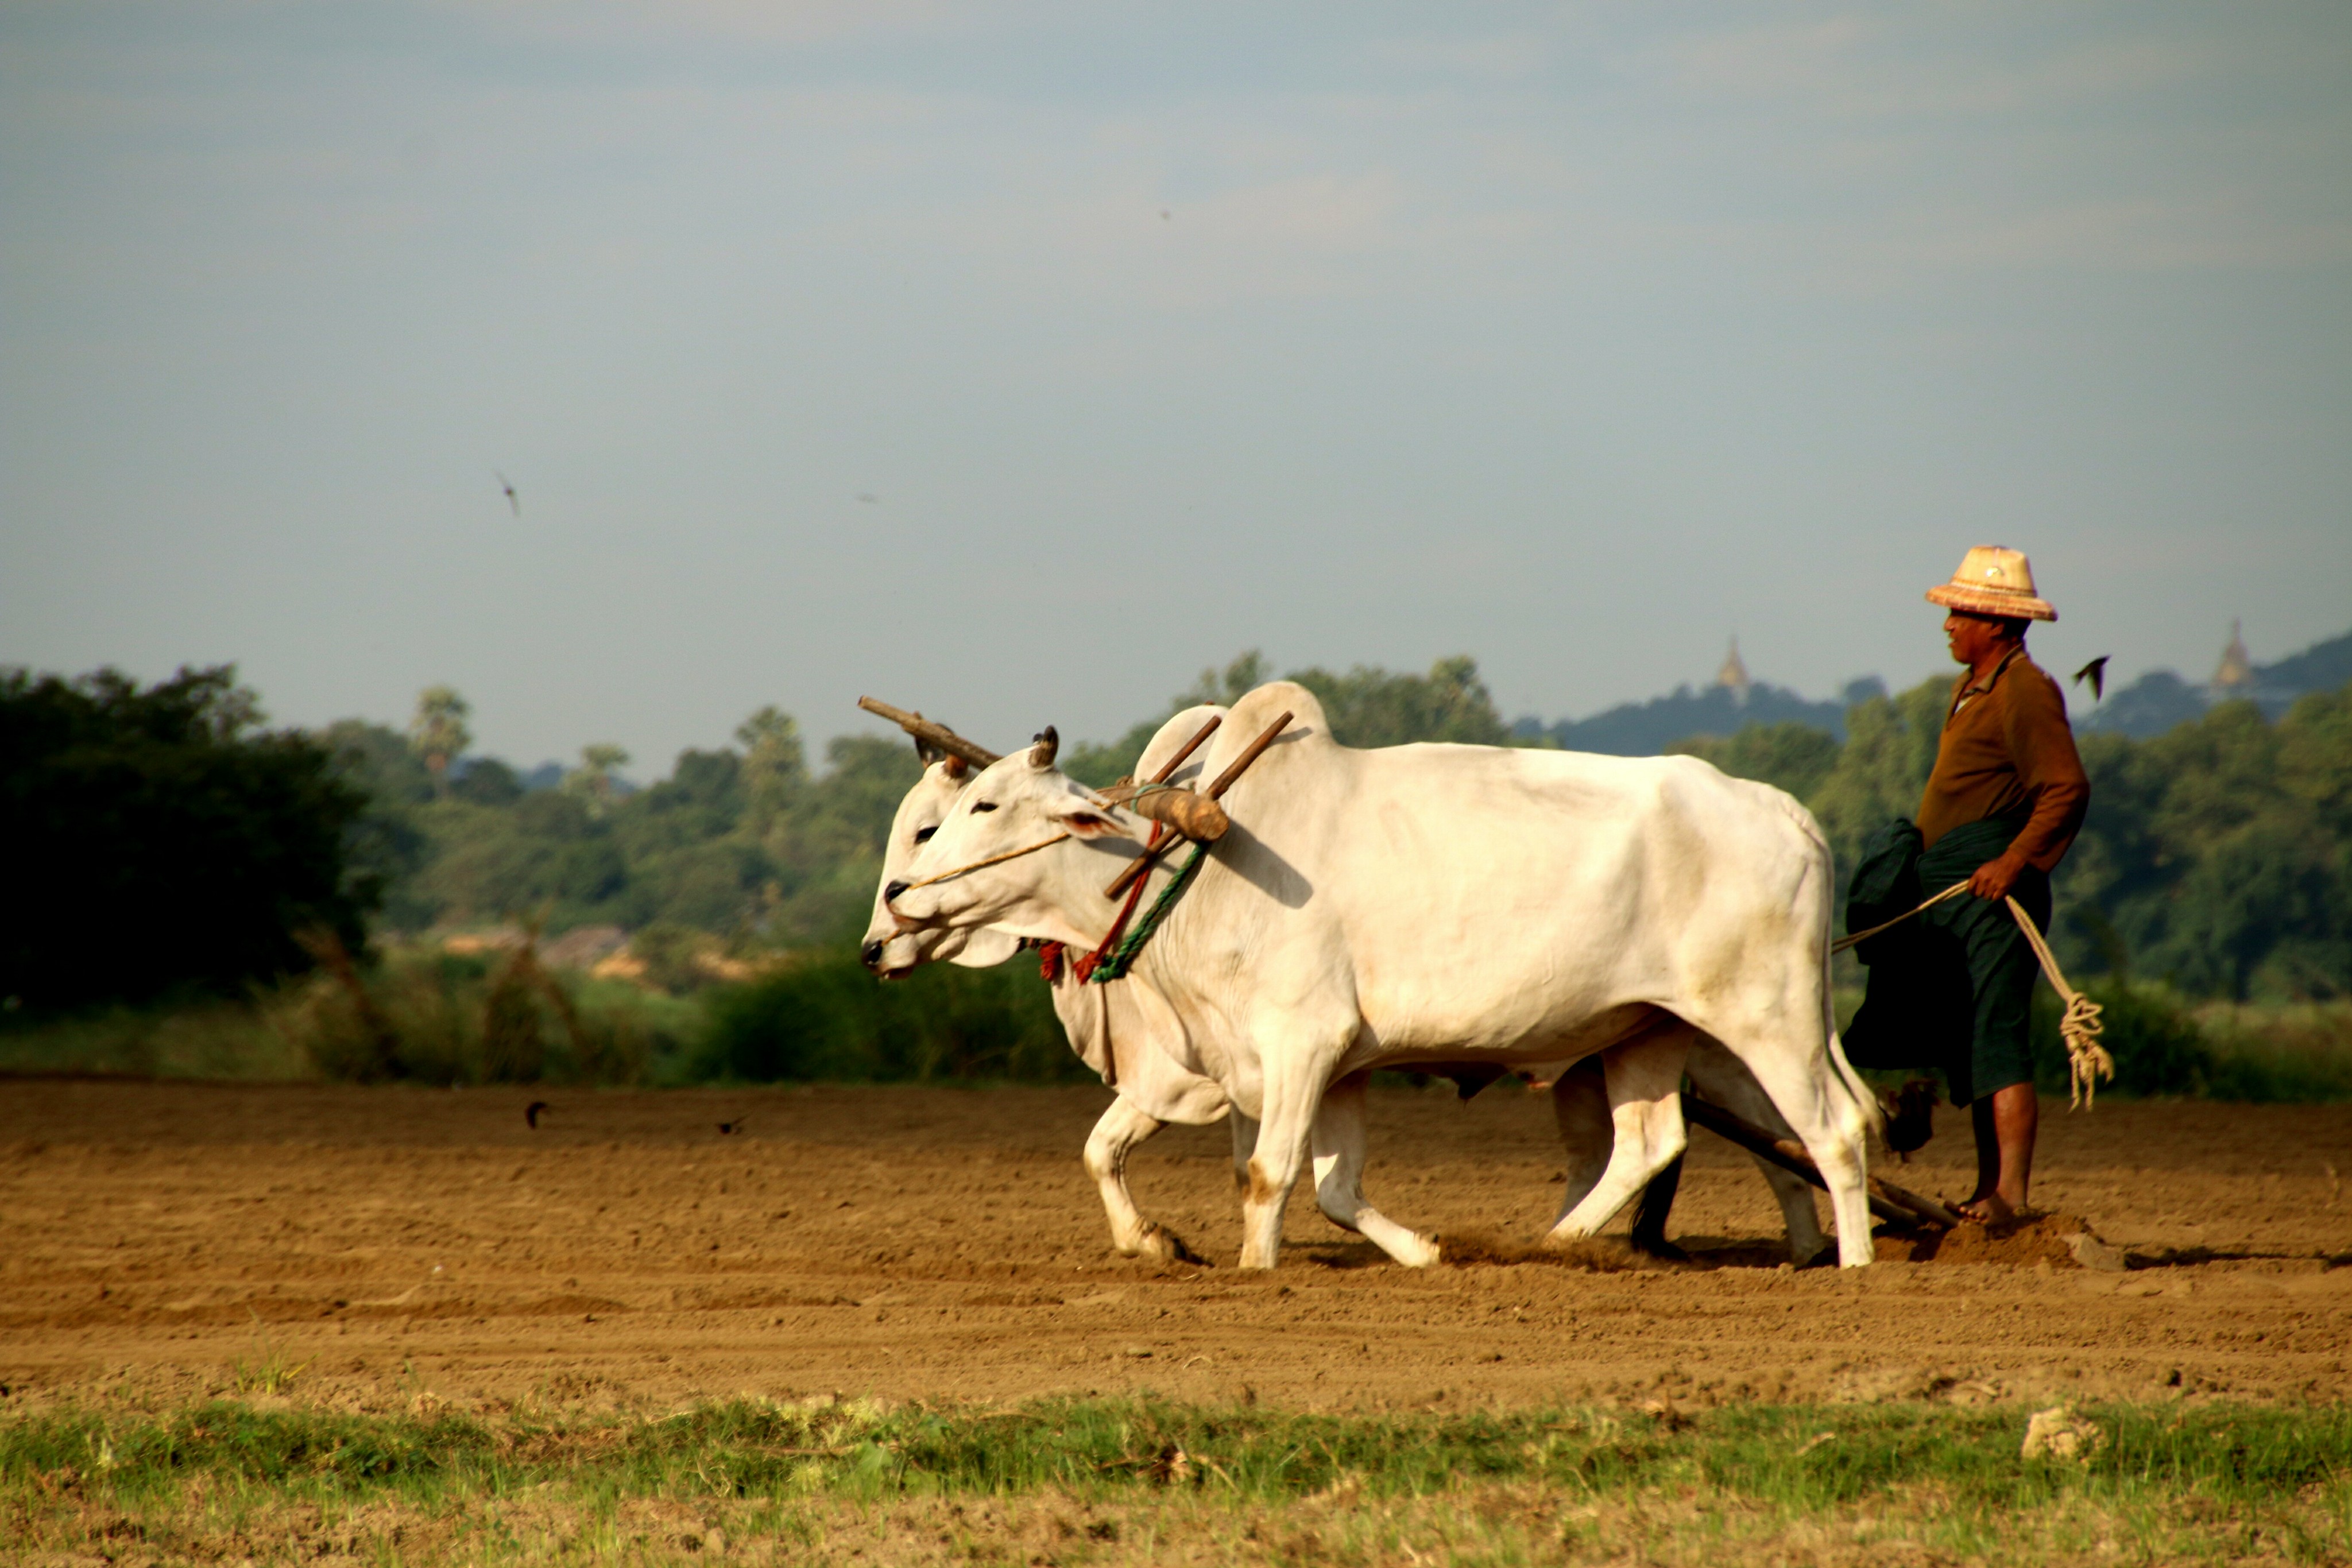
923,835
980,806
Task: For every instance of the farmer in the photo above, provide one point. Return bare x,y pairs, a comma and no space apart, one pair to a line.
1951,988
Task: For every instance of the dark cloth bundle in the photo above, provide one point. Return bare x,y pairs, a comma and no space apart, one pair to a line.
1950,988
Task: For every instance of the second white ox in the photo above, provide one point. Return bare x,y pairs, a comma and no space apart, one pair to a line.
1113,1028
1441,902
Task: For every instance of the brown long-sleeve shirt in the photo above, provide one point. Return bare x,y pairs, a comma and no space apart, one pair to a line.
2007,747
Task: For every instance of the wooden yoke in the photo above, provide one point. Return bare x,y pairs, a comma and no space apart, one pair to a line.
1192,815
1195,816
1142,864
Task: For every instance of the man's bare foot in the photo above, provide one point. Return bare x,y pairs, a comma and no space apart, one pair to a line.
1990,1209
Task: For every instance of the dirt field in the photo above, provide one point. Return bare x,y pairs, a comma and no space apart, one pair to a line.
406,1245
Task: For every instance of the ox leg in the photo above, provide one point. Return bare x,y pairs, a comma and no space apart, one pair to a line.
1340,1137
1244,1131
1803,1085
1643,1078
1579,1105
1285,1129
1725,1079
1120,1131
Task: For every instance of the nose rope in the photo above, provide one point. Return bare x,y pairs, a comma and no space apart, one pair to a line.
992,859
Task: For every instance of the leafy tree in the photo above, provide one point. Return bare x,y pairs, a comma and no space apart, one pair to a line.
387,845
1792,757
1369,707
1366,707
379,760
486,781
161,838
438,731
1889,751
594,779
775,769
2217,855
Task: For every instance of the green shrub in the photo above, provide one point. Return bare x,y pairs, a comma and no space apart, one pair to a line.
823,1016
2158,1047
442,1019
2249,1055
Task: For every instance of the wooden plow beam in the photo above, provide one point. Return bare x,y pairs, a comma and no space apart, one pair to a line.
1897,1206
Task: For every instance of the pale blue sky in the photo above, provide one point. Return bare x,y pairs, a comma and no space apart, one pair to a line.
1572,338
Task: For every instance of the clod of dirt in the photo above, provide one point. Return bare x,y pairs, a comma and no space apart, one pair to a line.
2061,1240
2058,1432
2093,1254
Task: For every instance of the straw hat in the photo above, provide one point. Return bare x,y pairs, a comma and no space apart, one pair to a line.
1993,580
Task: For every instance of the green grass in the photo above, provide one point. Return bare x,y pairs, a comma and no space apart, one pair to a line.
1147,1480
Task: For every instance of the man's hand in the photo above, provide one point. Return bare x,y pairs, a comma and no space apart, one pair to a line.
1994,879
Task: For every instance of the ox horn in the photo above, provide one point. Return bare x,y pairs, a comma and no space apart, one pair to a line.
926,732
1048,747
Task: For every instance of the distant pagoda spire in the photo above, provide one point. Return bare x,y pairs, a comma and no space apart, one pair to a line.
1733,677
2236,668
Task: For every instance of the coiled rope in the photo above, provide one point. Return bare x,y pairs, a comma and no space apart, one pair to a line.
2080,1027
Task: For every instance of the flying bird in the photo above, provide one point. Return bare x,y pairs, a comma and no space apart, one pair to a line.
869,500
734,1126
2095,671
513,500
530,1111
1163,214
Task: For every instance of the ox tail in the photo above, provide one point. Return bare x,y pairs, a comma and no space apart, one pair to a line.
1873,1114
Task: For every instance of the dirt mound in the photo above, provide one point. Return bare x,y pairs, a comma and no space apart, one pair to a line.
2019,1243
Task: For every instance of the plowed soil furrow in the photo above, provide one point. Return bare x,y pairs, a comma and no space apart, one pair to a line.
394,1244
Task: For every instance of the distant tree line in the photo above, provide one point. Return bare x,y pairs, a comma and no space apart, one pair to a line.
167,838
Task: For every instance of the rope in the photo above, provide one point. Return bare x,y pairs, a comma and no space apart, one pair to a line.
1083,966
1116,955
1083,969
1122,958
992,859
1843,943
2087,1060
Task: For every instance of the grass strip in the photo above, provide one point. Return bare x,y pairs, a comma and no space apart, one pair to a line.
2182,1482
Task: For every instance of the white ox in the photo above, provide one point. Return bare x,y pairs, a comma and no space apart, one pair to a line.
1113,1028
1428,903
1126,1033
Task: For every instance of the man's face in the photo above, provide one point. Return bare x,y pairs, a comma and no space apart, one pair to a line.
1972,638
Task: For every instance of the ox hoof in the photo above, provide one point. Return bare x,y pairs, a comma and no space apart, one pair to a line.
1658,1246
1421,1252
1164,1246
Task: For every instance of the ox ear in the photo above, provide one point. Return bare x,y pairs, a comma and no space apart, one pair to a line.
957,767
925,750
1049,744
1084,819
1083,816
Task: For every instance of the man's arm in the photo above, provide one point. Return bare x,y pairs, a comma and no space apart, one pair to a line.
2041,746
